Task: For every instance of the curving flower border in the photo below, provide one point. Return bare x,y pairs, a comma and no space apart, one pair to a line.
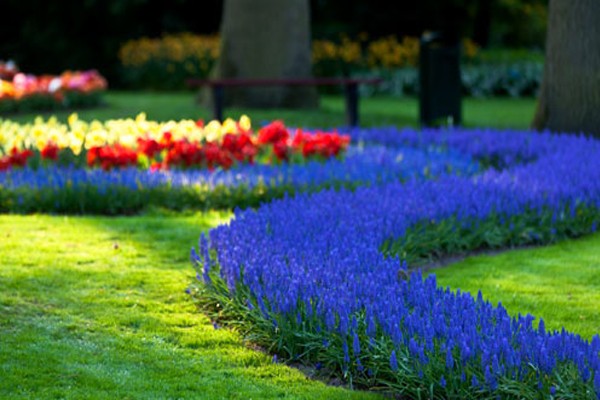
319,278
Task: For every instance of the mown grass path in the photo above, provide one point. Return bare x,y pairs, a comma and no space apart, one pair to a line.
559,283
95,308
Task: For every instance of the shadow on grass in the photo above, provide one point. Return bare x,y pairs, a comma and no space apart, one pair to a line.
106,316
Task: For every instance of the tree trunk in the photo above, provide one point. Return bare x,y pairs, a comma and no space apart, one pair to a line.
266,39
570,93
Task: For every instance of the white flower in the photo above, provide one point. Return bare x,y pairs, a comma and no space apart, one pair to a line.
55,84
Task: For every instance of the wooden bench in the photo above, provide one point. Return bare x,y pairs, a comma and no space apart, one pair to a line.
350,90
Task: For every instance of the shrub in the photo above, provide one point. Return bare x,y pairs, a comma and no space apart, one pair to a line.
521,79
165,63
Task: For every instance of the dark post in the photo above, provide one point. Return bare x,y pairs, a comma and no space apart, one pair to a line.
218,100
351,90
439,78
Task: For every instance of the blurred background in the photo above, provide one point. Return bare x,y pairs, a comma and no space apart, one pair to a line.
157,44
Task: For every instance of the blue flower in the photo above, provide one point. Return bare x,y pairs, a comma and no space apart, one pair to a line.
393,361
443,381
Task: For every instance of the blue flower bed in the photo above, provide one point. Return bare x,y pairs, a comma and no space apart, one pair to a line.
323,278
497,148
57,189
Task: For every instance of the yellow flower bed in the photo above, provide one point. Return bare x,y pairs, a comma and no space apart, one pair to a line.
388,52
348,51
78,135
173,48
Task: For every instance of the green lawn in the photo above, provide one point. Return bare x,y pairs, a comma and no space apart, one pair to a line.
500,112
94,308
560,283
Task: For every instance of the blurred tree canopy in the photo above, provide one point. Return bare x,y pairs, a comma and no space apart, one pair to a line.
51,36
510,23
48,37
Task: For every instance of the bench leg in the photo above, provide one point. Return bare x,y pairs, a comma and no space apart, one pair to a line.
218,99
351,90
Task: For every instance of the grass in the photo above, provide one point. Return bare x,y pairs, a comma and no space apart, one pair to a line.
95,308
560,283
376,111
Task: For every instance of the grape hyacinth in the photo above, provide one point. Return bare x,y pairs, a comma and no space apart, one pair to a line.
319,256
373,164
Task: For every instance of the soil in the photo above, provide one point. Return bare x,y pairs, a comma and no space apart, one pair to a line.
450,259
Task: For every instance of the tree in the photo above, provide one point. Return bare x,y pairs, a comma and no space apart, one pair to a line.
570,94
266,39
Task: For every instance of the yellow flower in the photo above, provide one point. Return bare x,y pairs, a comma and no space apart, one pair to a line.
212,131
76,146
40,143
96,137
140,117
78,133
128,140
229,126
38,132
245,123
72,119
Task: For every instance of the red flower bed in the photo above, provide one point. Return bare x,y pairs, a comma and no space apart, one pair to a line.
16,158
273,143
109,157
320,144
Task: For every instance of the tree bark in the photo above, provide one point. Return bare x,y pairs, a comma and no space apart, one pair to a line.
266,39
570,94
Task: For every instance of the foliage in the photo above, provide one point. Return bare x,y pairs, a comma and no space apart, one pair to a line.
484,73
416,338
520,22
166,62
514,80
521,79
503,56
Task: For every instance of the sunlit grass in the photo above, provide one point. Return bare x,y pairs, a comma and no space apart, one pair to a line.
559,283
95,308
